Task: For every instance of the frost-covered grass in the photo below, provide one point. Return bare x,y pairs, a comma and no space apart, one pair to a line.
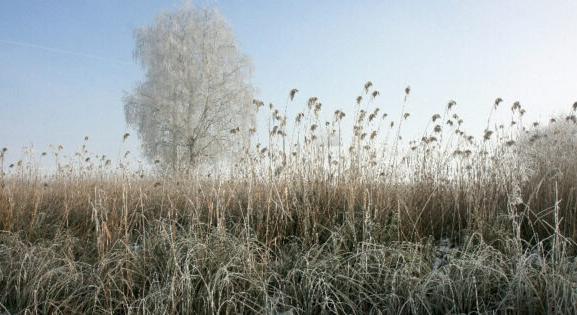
305,223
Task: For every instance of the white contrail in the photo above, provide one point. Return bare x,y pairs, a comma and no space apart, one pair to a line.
62,51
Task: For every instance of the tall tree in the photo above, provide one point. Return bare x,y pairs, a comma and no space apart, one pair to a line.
195,103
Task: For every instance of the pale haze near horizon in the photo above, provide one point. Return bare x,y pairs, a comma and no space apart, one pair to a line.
65,65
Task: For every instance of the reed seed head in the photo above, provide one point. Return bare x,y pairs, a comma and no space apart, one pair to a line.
498,101
516,106
292,94
312,101
258,103
451,104
235,130
368,86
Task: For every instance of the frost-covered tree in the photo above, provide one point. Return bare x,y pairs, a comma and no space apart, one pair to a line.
195,103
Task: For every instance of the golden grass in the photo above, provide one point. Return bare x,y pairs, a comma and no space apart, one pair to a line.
305,224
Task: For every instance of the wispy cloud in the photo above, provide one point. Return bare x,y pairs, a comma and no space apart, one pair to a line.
64,52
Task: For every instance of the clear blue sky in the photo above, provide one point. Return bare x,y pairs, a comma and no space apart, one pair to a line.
65,64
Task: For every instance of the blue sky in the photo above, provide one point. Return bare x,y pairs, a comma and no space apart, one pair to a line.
65,64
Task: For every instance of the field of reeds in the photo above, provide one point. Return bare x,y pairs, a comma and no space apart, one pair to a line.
316,219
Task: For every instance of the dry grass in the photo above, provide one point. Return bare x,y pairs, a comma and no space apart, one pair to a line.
308,223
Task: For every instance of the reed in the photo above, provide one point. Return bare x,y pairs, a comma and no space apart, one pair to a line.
444,223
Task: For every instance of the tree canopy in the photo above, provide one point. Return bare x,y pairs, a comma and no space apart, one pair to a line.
195,102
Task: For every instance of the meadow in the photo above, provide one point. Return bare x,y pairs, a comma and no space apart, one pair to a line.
315,220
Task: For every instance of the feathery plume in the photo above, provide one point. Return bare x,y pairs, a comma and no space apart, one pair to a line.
516,106
312,101
451,104
368,86
292,93
498,101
